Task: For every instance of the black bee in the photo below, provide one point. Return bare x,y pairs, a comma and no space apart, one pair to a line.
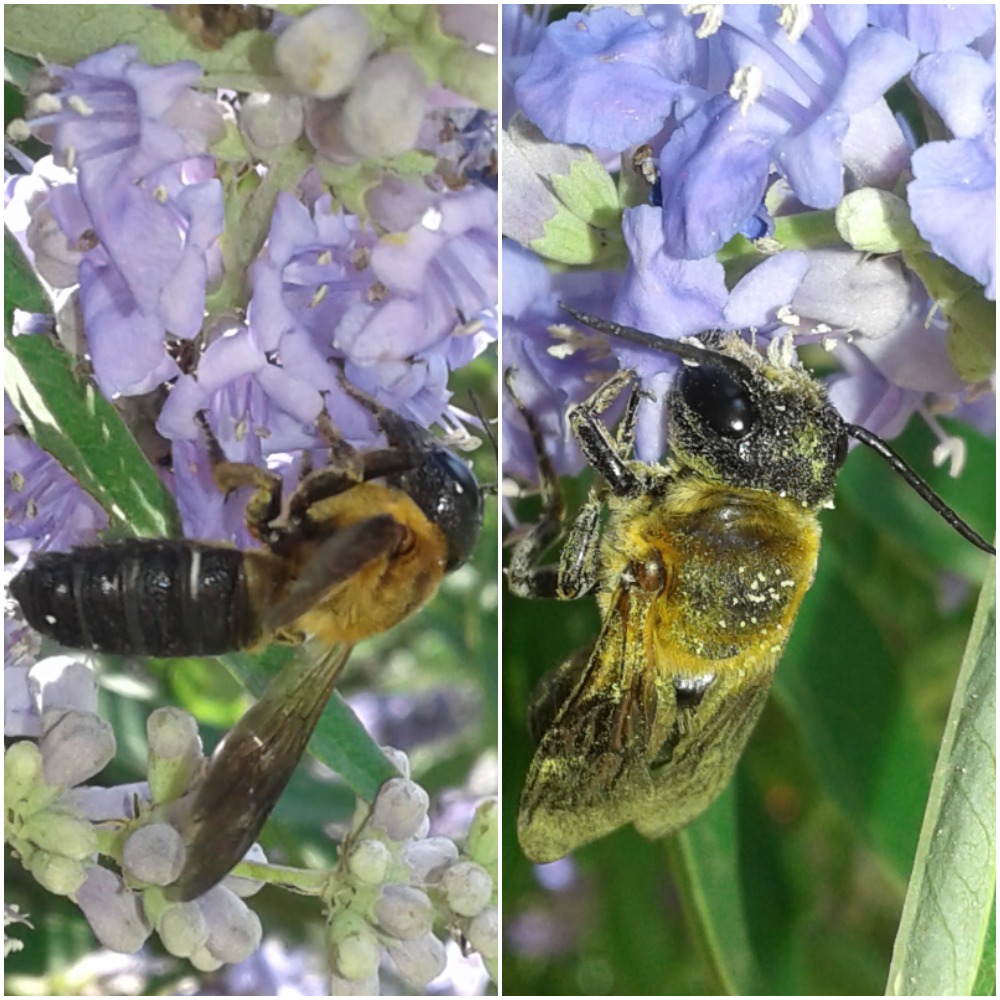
365,544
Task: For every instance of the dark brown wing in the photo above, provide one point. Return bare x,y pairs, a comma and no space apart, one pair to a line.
635,741
336,560
251,767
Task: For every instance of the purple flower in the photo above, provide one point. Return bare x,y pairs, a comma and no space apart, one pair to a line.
607,79
552,371
43,504
390,309
953,196
934,27
735,97
149,206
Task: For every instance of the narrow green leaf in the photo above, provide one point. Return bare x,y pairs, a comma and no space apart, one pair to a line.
940,944
22,289
67,416
712,882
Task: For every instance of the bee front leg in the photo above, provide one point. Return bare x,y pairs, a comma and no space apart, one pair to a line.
608,455
576,572
265,503
347,467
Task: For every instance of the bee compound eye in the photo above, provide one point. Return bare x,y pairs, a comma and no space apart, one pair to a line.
718,400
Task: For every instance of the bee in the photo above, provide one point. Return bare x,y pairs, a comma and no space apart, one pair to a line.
211,25
365,544
699,565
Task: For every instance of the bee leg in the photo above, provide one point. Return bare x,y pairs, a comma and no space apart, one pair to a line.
265,503
576,573
347,467
609,456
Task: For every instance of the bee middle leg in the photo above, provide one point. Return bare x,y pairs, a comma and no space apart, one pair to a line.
576,572
264,504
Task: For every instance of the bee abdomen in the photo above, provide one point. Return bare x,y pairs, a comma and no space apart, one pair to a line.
143,597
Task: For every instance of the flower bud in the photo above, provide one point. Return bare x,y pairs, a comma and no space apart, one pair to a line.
234,930
269,121
60,831
204,961
175,752
114,913
183,929
356,954
369,861
419,961
398,759
63,682
399,808
467,888
322,52
404,912
341,987
22,769
154,854
75,746
384,110
484,932
428,859
60,875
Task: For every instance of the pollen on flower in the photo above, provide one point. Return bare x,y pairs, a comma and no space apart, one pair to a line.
79,105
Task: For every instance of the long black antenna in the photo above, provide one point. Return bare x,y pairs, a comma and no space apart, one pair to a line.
878,445
688,352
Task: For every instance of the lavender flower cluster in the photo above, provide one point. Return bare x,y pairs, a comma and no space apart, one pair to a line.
240,242
825,169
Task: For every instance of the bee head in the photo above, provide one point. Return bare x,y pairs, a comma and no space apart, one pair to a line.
756,422
446,490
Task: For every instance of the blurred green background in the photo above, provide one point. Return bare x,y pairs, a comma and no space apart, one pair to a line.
794,880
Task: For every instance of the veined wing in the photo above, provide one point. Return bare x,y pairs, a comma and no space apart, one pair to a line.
251,767
635,740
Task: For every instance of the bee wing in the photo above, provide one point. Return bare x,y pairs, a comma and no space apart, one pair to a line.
251,767
634,741
336,560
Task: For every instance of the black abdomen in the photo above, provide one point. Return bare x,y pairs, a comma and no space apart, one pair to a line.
149,597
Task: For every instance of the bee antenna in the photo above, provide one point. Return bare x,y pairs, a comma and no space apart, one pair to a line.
919,486
687,352
487,430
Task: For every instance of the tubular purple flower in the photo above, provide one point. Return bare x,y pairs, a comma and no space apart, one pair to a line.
135,135
954,185
42,501
607,79
934,27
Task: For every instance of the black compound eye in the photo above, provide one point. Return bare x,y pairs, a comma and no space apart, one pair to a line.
718,400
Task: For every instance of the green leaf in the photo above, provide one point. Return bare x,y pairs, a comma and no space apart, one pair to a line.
22,289
340,740
712,881
67,416
947,914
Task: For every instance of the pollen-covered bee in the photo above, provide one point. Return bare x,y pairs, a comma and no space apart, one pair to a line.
364,545
698,564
